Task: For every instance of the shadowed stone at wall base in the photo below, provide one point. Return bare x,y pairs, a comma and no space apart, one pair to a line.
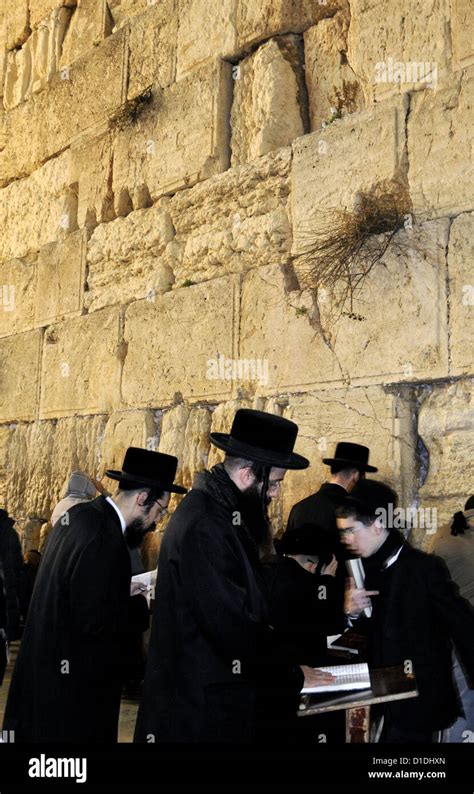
81,366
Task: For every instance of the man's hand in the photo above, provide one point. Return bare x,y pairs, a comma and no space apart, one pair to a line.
313,677
356,599
331,568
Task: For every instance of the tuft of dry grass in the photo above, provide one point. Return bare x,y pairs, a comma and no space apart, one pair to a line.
339,248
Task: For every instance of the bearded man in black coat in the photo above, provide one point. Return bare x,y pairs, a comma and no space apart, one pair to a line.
67,679
211,644
417,615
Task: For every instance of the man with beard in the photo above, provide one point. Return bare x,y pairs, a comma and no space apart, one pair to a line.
67,679
210,651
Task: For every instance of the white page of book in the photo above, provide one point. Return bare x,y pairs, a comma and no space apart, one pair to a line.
348,676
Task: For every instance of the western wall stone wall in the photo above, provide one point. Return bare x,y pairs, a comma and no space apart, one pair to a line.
160,164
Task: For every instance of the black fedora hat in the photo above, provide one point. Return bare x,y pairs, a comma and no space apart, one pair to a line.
355,455
262,437
305,539
151,469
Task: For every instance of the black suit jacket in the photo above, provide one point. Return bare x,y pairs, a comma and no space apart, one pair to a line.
66,682
320,509
417,618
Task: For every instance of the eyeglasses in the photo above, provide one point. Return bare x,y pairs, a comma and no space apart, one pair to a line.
351,531
274,483
164,510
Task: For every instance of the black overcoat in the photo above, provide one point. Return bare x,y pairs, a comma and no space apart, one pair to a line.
208,642
66,682
416,619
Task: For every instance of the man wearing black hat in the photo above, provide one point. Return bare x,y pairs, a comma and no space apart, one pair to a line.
66,682
350,462
210,640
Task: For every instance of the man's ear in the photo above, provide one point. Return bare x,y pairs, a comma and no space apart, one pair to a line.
142,496
378,526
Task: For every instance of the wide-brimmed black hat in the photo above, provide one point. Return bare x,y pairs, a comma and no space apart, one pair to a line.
144,467
355,455
306,539
262,437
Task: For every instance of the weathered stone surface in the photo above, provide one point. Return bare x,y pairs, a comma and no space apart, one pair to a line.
60,277
278,330
37,210
81,366
124,429
179,138
363,415
129,258
79,96
19,376
446,422
17,295
91,22
441,175
269,106
259,21
222,418
153,48
185,434
234,221
461,290
462,24
162,360
15,13
29,69
403,299
397,49
6,433
42,456
40,9
91,170
332,84
352,154
206,30
124,10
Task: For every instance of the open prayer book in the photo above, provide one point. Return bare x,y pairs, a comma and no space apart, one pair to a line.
348,676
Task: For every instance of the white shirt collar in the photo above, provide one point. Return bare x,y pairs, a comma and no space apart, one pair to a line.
122,520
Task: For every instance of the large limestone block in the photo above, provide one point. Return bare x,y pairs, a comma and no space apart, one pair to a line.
398,47
125,429
5,437
163,359
234,221
280,338
259,21
37,210
39,10
42,456
354,153
17,295
179,138
185,434
129,258
269,108
446,422
440,148
206,30
91,170
124,10
331,82
15,13
222,418
153,47
404,299
60,277
462,25
19,376
362,415
76,100
91,22
81,366
461,294
29,69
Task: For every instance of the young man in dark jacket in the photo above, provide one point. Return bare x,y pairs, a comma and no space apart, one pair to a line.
417,614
